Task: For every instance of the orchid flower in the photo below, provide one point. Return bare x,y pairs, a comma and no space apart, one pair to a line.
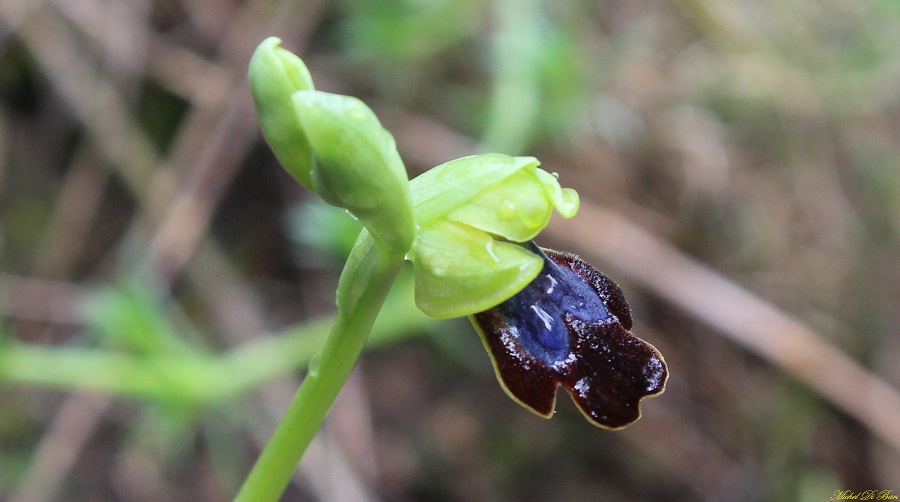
546,318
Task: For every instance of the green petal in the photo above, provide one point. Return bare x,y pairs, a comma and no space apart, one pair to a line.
565,200
516,209
460,270
274,75
468,210
441,190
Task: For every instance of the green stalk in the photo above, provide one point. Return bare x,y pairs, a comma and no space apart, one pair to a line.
363,287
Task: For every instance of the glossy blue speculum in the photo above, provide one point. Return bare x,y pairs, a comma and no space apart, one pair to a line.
543,332
570,327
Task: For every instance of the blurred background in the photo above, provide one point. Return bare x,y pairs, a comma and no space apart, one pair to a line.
164,284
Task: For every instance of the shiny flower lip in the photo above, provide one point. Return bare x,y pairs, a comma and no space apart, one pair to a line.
570,327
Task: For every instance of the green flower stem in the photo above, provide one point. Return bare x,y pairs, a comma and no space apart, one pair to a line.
363,287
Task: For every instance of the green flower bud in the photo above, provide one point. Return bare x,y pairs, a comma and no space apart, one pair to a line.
274,75
356,165
472,213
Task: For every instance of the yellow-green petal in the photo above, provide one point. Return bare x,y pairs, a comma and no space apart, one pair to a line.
471,214
442,189
565,200
460,270
516,209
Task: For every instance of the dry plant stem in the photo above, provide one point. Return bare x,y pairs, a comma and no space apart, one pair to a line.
364,285
74,211
60,447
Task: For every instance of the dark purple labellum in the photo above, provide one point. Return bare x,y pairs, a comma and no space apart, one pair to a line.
570,327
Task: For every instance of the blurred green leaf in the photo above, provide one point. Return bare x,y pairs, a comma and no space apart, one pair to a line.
324,227
408,29
131,318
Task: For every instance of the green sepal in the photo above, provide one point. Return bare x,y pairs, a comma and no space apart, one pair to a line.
356,164
515,209
564,200
460,270
444,188
274,75
472,213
